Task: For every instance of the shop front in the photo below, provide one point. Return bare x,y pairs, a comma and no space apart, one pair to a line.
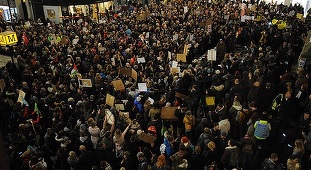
61,11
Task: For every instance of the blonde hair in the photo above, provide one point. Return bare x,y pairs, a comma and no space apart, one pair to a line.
161,162
299,145
72,154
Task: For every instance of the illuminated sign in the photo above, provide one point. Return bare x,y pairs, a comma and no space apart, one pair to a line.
8,38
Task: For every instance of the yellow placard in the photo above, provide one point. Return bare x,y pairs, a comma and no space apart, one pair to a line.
282,25
110,100
8,38
118,85
274,21
181,57
210,101
299,16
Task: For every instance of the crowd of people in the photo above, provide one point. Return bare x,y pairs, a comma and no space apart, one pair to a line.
246,109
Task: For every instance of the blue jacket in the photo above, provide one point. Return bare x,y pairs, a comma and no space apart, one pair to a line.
169,149
139,106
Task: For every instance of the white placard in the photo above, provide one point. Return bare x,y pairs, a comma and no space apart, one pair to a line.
226,16
75,41
174,64
211,55
142,86
141,60
147,34
185,9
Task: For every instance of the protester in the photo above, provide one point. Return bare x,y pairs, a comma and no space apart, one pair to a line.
67,71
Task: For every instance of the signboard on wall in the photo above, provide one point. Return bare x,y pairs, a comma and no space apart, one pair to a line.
52,13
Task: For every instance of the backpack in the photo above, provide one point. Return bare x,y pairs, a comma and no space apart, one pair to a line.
247,149
234,158
203,140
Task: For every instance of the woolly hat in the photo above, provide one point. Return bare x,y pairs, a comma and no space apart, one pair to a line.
184,139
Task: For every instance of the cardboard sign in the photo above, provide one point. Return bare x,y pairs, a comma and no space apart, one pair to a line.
168,113
119,106
210,101
182,96
85,83
125,116
299,16
125,71
142,86
175,37
181,57
118,85
134,74
147,138
2,84
175,70
110,100
109,116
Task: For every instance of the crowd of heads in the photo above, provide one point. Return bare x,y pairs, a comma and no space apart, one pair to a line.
248,102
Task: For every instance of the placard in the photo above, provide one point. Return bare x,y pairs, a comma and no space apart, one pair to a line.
118,85
211,55
109,117
141,60
181,57
110,100
299,16
142,86
125,116
168,113
175,70
85,83
210,101
141,17
174,64
134,74
119,106
146,138
125,71
186,46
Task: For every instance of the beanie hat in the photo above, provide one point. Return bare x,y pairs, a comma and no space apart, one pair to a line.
184,139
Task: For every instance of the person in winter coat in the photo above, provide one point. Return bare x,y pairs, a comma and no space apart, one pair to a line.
161,164
270,163
139,106
189,121
226,156
293,163
72,160
169,148
197,160
262,130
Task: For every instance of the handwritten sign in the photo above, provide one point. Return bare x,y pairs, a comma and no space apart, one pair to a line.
118,84
85,83
110,100
142,86
210,101
168,113
146,138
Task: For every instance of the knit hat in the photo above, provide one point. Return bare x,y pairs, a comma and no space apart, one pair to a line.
184,139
